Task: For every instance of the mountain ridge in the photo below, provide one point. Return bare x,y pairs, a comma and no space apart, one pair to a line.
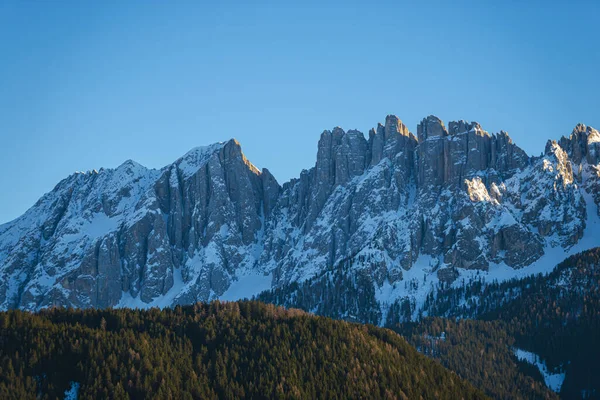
451,199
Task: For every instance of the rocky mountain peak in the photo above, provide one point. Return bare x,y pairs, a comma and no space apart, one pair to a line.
394,126
389,140
461,126
130,165
582,144
232,151
560,162
197,157
457,196
431,127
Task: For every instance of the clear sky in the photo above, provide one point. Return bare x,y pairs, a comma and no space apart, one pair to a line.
90,84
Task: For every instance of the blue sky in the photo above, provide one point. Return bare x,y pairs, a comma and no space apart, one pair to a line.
85,85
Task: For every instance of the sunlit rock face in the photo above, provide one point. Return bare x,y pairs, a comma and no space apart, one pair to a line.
458,195
583,150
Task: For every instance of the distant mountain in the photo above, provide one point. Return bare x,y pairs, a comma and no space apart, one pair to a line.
370,233
212,351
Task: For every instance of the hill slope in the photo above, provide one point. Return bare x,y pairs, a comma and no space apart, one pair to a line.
545,327
217,350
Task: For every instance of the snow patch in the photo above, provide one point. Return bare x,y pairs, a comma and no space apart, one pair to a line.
554,381
99,225
73,392
196,158
164,301
594,137
247,286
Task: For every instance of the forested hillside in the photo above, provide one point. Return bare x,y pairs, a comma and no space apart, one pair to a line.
480,351
556,317
216,350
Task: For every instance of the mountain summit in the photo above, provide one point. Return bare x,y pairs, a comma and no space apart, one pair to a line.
404,213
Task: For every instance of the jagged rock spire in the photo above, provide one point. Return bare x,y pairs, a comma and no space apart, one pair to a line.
459,195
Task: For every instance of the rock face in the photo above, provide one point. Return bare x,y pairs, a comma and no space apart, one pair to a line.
447,200
132,233
583,149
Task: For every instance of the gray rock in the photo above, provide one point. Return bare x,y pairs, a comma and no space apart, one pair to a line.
459,197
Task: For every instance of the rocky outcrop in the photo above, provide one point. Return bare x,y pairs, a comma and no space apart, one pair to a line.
447,200
583,145
583,150
130,232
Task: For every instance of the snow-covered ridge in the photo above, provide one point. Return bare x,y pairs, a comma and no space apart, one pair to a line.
445,203
196,158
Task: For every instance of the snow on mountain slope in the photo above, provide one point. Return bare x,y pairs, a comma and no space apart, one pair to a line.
102,236
553,380
397,208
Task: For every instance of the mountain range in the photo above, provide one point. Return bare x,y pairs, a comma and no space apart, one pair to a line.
378,222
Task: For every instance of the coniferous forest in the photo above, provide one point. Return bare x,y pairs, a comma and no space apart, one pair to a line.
216,350
557,317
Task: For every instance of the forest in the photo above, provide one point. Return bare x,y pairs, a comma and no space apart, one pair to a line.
222,350
557,317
